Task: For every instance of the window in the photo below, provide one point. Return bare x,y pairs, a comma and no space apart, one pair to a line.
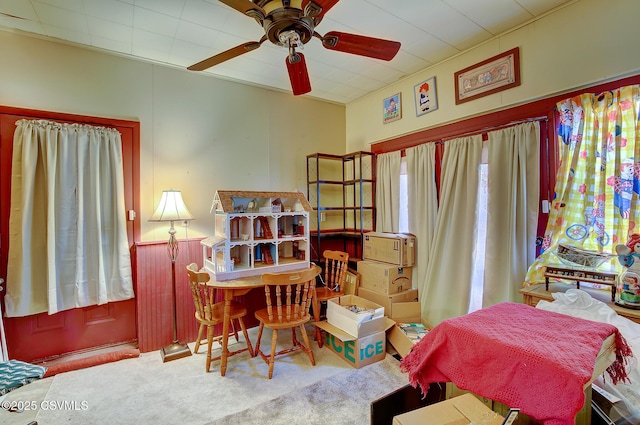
477,285
477,278
403,227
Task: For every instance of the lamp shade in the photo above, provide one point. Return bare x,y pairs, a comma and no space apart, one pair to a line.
171,208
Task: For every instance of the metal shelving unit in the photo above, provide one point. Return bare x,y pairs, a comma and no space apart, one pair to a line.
341,190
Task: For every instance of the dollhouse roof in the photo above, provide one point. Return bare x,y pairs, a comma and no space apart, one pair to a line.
224,199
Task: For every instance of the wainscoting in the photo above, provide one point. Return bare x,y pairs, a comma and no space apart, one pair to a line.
153,294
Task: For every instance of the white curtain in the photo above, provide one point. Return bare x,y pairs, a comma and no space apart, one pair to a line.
512,212
68,243
449,267
423,207
388,192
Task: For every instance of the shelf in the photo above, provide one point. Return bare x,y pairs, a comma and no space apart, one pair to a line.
336,182
350,182
337,233
341,192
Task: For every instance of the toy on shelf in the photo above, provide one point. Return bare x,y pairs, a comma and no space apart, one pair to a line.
629,282
574,256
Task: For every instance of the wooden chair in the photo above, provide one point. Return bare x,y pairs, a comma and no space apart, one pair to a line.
288,296
335,272
210,313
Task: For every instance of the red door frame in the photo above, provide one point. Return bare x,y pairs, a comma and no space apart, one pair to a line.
59,333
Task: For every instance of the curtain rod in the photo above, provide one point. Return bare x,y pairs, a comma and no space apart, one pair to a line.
497,127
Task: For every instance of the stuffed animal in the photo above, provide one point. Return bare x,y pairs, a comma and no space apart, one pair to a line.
630,279
629,251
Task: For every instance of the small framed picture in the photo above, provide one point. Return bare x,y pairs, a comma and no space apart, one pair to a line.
392,108
425,96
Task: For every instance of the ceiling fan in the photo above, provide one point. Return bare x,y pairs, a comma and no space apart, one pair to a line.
291,24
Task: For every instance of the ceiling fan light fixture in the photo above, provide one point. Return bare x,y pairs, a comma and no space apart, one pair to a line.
282,21
290,39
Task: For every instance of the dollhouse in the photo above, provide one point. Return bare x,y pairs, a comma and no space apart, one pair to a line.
256,232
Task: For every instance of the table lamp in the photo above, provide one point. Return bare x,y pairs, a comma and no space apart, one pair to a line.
172,208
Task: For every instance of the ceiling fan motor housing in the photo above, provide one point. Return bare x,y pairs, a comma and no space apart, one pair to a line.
281,19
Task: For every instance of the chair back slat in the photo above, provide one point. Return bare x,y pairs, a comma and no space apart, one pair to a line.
288,295
204,296
267,295
335,269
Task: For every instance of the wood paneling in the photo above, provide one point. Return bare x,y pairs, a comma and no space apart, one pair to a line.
153,278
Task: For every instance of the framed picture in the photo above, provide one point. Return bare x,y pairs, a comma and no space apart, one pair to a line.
495,74
392,108
425,96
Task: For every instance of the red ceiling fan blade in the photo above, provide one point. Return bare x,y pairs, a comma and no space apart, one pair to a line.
376,48
298,74
320,7
245,6
226,55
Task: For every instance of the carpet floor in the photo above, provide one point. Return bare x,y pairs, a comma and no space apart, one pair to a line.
344,398
144,390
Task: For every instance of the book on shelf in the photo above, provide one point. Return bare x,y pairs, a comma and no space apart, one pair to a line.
415,331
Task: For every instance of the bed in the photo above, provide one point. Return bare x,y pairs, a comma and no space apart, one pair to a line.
579,303
537,360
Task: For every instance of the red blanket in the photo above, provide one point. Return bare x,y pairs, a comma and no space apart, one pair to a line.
518,355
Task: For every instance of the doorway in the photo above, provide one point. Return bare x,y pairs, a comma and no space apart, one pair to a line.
43,336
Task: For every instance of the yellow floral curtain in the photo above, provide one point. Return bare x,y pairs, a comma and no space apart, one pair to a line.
595,203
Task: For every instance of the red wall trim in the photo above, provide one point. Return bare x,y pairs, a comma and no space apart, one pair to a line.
540,108
543,107
110,122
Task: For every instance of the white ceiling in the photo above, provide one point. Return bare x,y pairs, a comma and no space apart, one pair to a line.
182,32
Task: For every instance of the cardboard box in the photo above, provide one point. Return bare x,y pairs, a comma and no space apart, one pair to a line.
358,352
462,410
406,312
400,341
351,282
392,248
384,278
402,306
358,324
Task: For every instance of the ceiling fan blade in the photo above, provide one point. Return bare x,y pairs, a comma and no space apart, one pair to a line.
376,48
226,55
245,6
317,8
298,74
